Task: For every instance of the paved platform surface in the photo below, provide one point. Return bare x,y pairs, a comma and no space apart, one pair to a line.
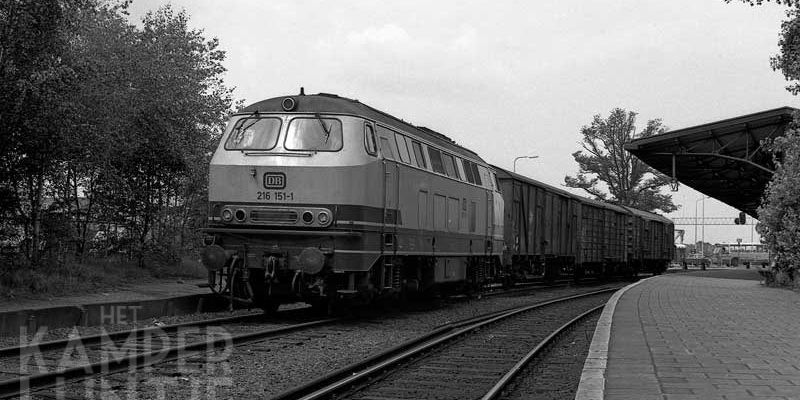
694,336
156,289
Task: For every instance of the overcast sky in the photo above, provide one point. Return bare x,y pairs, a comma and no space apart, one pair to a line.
510,78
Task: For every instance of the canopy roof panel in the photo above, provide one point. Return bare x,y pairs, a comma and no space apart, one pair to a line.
724,159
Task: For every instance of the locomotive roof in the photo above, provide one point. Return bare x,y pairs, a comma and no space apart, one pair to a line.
506,174
331,103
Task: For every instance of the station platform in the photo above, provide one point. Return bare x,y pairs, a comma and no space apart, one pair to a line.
122,305
698,335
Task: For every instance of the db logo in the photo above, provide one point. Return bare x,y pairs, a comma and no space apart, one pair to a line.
274,180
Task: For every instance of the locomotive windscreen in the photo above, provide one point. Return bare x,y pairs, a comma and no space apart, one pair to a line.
314,134
254,133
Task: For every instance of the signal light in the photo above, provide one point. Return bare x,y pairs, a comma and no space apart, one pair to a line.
323,217
227,215
240,215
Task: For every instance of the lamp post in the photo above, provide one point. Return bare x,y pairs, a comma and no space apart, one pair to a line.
702,241
517,158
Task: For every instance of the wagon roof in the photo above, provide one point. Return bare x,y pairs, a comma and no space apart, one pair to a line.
648,215
506,174
331,103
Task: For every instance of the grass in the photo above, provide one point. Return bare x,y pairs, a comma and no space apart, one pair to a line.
93,275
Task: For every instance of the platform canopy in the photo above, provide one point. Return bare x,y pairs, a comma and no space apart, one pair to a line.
724,159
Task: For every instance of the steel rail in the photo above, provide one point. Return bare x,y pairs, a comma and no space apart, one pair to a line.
109,337
362,370
522,287
26,384
501,384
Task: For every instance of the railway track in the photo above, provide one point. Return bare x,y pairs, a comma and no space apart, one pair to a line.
459,360
79,359
37,366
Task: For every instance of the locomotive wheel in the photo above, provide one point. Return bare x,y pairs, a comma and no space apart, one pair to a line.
261,297
323,307
270,306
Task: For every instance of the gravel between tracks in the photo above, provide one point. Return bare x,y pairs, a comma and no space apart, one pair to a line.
557,373
250,372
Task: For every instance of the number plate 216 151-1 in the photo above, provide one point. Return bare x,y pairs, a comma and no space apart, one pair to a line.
275,196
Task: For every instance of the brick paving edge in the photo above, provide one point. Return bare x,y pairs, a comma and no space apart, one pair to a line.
593,377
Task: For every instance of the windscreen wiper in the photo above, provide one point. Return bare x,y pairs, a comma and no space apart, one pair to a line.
251,124
324,128
241,128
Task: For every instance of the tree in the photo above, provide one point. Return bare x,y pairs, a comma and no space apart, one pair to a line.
789,43
177,108
105,122
604,164
99,53
779,212
35,81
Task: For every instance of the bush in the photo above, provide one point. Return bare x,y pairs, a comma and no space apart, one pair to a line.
53,278
779,213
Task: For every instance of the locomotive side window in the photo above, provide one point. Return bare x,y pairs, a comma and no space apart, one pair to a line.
419,156
412,157
402,149
476,174
450,166
388,144
459,168
254,133
436,160
468,171
369,140
314,134
386,148
487,177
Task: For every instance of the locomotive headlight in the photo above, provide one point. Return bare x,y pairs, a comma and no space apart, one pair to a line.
323,217
308,217
240,215
227,215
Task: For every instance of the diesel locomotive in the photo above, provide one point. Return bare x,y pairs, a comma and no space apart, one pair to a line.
320,198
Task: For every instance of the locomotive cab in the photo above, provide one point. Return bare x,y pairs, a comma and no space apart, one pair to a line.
286,187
